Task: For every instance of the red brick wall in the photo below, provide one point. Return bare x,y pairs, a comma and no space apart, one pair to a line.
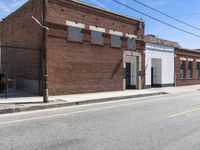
20,33
186,54
20,28
59,11
0,30
82,67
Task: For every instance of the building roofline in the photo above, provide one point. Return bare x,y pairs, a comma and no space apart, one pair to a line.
161,44
17,10
82,3
106,10
190,50
159,41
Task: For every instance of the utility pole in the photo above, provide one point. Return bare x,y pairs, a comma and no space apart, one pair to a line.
45,65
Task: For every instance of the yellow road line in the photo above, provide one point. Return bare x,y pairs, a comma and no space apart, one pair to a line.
184,112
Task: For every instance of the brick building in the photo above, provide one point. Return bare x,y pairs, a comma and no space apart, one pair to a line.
19,27
22,40
87,52
187,64
88,49
1,22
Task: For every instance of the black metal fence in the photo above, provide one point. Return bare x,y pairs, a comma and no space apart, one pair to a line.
20,71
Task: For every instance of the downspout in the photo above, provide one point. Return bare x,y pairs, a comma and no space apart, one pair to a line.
175,66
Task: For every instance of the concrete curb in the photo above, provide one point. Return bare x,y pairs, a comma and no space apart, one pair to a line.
65,104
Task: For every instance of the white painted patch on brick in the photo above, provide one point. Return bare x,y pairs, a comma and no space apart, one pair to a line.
190,59
131,36
116,33
74,24
183,58
99,29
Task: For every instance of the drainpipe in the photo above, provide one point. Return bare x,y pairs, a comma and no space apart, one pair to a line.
175,66
45,67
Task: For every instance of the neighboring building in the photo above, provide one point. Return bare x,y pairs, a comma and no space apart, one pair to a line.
88,49
159,62
0,41
187,66
1,22
22,38
19,27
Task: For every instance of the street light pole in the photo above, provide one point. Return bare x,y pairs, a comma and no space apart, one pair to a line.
45,65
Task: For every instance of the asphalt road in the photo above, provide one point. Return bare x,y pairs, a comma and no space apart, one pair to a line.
167,122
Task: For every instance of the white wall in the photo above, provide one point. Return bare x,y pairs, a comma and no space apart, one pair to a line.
166,54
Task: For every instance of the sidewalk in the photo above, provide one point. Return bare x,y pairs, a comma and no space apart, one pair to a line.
178,89
35,103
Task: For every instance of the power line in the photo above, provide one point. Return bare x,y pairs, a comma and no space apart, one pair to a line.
185,31
188,15
180,16
167,15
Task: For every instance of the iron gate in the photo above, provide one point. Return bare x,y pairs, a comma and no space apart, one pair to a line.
20,71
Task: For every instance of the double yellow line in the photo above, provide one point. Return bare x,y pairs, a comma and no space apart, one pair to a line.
184,112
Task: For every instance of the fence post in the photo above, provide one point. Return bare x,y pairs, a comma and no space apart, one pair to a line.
6,71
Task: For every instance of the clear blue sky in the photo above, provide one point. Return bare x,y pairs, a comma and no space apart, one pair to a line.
185,10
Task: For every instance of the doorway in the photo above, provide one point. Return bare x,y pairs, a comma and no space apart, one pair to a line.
128,75
156,72
151,76
131,74
132,67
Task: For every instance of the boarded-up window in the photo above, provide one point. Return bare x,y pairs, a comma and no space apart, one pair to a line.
97,38
131,43
116,41
75,34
